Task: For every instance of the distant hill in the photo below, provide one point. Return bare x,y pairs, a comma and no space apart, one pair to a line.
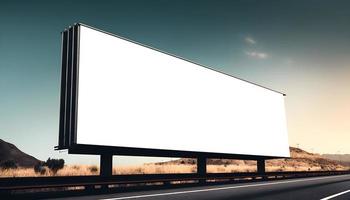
9,151
300,161
343,158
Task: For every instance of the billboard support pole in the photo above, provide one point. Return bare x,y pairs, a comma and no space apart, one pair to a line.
202,168
261,166
106,165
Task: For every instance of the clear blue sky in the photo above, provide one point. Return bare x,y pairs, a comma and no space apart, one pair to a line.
298,47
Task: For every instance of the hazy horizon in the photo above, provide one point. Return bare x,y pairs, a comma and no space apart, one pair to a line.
298,47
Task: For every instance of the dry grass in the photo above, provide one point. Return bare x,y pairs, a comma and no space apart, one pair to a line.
300,161
82,170
154,169
230,168
68,170
79,170
19,172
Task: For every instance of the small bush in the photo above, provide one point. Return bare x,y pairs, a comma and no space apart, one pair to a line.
54,164
39,168
93,169
8,164
76,167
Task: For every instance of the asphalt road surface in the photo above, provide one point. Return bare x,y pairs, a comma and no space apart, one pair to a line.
326,187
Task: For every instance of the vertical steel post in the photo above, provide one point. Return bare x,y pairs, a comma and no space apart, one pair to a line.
202,168
261,166
106,165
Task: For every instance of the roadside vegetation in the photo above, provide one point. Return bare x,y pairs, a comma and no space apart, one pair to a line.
300,161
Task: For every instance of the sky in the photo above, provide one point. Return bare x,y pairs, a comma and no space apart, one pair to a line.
298,47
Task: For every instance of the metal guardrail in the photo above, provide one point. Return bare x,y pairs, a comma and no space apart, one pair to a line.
23,183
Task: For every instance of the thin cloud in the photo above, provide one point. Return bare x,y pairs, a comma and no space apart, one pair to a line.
258,55
249,40
289,61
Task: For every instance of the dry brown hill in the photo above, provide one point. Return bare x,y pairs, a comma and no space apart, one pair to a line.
9,152
300,161
343,158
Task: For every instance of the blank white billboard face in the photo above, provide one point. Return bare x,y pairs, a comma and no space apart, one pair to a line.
134,96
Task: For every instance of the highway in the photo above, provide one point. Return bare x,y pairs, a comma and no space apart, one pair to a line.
325,187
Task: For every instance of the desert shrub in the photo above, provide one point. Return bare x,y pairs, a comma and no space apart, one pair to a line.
54,164
93,169
193,169
139,170
76,167
40,168
8,164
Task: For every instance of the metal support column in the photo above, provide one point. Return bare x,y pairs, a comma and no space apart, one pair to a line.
106,165
261,166
202,168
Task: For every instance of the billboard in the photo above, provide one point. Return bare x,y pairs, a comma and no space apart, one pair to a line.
119,93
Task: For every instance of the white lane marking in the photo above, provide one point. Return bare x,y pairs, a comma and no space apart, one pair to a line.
222,188
335,195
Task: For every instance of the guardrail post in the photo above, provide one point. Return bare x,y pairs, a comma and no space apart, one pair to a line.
202,168
106,165
261,166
